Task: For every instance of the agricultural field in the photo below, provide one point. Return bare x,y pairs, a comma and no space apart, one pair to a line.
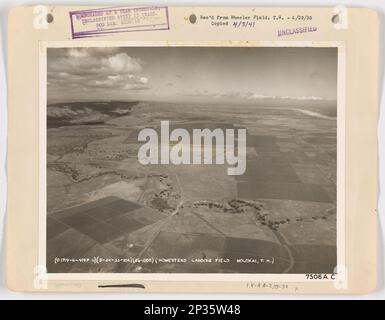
277,217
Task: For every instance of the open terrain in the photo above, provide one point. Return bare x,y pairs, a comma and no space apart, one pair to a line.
278,217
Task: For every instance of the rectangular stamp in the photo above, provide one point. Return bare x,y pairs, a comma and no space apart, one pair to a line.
104,21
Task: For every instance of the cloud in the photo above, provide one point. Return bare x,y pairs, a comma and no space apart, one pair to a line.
98,68
247,96
143,80
80,62
127,82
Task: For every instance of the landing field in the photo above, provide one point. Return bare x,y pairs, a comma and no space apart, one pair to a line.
278,217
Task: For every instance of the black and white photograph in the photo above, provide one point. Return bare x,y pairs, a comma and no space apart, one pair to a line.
191,160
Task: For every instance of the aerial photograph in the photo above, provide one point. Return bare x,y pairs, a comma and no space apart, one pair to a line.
191,160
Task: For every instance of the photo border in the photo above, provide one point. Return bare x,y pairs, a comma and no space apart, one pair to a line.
209,277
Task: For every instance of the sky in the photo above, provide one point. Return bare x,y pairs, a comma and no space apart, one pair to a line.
191,74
